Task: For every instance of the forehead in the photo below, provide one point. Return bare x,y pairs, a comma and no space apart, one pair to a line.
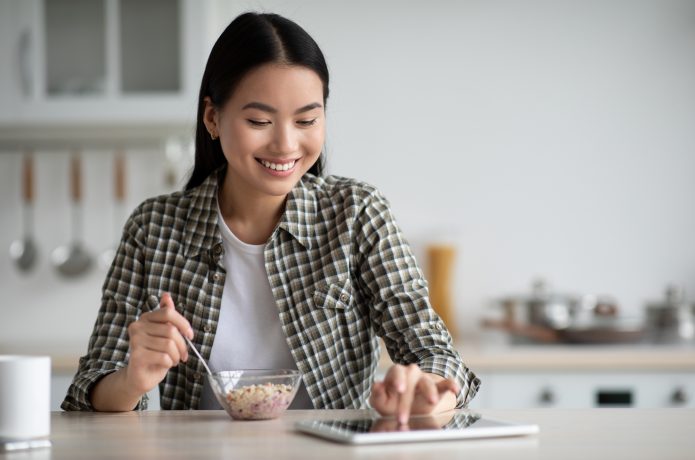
280,86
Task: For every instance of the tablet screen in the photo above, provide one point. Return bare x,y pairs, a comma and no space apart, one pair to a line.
459,425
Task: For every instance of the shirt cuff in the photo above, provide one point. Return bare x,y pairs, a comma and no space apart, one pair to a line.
452,368
79,392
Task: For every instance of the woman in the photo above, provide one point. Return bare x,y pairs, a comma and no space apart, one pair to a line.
264,263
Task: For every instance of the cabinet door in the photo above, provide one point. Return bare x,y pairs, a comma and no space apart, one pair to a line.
511,390
527,390
101,61
17,63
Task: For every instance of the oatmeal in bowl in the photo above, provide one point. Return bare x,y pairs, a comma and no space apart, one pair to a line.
255,394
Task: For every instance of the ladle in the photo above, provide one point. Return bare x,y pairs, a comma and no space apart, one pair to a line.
24,251
73,260
106,257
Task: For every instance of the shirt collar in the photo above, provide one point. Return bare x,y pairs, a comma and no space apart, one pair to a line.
299,218
202,231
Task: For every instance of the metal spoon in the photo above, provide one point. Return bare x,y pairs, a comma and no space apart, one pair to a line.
24,252
73,260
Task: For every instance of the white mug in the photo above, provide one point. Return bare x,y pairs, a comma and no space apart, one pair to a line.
25,397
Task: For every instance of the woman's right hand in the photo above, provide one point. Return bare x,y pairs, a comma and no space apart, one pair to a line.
156,345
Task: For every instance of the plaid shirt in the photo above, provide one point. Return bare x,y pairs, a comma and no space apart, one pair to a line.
341,273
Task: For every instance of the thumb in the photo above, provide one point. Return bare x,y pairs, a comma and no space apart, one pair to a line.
447,385
166,301
378,395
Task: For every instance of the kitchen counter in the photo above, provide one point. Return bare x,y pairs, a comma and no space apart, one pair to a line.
639,357
567,434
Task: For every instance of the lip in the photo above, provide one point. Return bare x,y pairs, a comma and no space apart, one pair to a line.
275,172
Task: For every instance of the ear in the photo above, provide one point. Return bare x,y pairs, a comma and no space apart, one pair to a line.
211,117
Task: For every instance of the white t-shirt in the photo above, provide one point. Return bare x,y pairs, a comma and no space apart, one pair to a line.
249,334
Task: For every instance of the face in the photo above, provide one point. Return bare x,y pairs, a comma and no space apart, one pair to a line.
272,128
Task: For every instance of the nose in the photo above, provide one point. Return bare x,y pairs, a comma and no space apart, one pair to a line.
285,139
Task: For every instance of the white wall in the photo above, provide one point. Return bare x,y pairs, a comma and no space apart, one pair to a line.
551,138
548,138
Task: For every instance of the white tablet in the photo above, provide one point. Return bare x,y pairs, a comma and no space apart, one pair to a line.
461,425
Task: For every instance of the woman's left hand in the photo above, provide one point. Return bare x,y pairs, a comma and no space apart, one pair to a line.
406,390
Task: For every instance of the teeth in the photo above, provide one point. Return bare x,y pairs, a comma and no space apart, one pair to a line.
278,167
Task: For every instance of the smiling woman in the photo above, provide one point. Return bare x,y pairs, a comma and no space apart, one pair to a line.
280,137
265,263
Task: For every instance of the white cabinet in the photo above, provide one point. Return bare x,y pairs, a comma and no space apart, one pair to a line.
86,62
512,390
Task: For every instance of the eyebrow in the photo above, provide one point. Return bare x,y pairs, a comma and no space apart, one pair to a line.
269,109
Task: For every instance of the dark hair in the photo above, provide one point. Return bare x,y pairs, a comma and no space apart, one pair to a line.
249,41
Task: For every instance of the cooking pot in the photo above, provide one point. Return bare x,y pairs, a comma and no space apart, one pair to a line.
671,320
545,316
542,307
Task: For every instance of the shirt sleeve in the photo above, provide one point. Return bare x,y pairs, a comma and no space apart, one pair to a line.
122,296
400,308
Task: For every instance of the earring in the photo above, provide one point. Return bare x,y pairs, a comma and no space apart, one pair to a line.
213,136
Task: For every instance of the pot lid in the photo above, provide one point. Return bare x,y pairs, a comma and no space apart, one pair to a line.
674,298
541,293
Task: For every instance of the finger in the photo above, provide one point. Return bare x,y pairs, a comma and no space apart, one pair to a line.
448,385
162,345
168,331
395,380
378,396
427,390
166,301
151,359
405,400
167,313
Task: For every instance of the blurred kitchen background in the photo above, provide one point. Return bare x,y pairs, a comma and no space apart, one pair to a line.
539,156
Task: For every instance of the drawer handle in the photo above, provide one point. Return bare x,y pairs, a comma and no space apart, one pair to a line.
614,398
546,397
679,397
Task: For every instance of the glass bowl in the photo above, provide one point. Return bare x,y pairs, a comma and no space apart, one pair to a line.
255,394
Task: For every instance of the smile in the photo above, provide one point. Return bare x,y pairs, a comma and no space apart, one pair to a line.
278,166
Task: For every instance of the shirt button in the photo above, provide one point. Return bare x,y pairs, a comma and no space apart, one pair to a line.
217,277
207,328
344,297
196,376
440,327
218,249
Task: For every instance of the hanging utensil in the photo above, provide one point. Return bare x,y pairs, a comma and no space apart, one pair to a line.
106,257
73,260
24,251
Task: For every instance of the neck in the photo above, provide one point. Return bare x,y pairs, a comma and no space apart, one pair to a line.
249,214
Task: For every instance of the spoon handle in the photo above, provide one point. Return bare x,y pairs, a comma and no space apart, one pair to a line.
195,350
153,303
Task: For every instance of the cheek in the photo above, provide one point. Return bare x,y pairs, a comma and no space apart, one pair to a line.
241,140
314,141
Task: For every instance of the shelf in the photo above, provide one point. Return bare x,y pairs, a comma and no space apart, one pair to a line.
95,136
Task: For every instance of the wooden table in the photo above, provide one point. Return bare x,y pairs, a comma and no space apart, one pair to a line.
590,434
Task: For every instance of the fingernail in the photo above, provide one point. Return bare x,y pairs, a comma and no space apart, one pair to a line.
190,333
403,418
401,387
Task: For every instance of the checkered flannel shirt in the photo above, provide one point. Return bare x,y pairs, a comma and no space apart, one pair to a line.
341,273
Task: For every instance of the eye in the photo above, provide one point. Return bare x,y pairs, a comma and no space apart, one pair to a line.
307,122
258,122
